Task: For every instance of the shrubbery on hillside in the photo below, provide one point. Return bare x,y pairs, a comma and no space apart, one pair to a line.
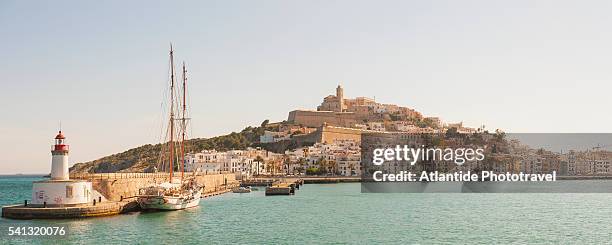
141,158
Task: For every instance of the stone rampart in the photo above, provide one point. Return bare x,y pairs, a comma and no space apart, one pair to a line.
116,185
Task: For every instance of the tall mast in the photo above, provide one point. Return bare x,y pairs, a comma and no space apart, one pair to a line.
183,120
171,112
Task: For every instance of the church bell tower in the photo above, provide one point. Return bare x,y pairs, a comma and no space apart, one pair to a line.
340,96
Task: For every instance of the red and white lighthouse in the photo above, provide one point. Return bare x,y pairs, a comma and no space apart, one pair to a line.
59,160
60,190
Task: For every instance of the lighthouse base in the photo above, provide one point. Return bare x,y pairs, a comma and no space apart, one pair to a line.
59,193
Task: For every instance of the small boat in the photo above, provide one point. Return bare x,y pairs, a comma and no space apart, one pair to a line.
242,189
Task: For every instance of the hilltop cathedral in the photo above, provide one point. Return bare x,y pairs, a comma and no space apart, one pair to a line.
334,103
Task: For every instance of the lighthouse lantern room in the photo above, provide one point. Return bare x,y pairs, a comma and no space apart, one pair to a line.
59,159
60,190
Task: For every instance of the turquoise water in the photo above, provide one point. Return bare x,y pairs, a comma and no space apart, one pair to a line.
339,213
15,189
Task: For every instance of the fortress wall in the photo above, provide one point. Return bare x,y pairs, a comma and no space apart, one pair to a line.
331,134
318,118
327,134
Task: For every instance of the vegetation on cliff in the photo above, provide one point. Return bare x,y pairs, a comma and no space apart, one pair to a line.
144,158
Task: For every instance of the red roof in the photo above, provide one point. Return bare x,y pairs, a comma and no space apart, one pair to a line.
60,135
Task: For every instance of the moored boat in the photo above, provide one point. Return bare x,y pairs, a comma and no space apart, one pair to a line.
170,196
242,190
177,193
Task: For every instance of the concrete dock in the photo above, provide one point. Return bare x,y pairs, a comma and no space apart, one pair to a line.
269,180
279,190
330,180
218,191
81,211
285,187
258,182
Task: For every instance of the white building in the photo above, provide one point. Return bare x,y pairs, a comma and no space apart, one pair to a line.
271,136
242,162
349,164
207,161
600,167
340,157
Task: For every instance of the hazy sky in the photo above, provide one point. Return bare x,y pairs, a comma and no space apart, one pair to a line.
101,66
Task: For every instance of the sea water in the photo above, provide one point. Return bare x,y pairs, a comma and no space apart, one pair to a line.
338,214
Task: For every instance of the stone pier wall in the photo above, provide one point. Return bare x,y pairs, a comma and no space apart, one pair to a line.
113,186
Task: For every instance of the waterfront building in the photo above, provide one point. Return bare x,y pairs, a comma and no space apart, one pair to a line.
600,167
583,165
252,161
342,157
595,162
206,161
349,163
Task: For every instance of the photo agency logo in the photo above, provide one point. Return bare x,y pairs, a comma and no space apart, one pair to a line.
410,154
486,162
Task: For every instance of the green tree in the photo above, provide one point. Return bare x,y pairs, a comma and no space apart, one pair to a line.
323,165
452,132
312,171
500,135
259,160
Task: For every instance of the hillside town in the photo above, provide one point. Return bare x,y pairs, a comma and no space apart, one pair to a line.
328,141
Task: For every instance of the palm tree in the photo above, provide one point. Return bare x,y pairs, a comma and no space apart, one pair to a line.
258,160
286,161
303,164
322,164
269,167
351,168
332,167
273,166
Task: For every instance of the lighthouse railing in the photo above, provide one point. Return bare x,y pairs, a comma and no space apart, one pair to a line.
60,147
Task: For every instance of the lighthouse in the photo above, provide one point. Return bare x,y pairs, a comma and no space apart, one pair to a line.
60,190
59,159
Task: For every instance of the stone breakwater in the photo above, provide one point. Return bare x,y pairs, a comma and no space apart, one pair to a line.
115,186
119,191
80,211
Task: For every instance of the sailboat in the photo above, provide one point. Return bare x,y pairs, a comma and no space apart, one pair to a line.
177,193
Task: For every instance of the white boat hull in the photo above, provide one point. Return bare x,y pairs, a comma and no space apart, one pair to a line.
168,202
